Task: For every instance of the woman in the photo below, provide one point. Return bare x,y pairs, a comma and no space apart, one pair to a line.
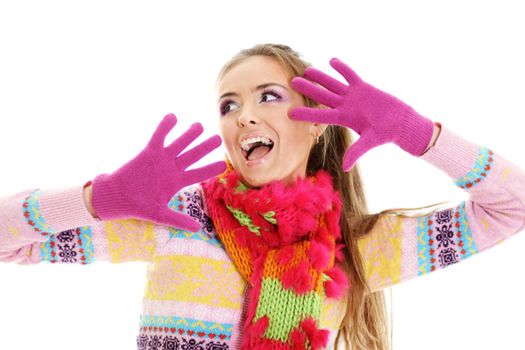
285,255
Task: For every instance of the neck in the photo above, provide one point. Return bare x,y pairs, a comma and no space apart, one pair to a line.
288,180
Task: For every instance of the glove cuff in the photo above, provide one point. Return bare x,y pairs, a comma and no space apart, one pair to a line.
416,134
109,201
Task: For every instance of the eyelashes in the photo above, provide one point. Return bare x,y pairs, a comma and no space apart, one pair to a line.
224,107
273,93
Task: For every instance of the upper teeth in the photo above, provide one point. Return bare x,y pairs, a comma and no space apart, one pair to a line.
245,144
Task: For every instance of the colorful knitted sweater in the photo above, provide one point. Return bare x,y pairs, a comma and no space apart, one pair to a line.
183,306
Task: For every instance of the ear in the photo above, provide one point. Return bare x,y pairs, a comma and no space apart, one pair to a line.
317,129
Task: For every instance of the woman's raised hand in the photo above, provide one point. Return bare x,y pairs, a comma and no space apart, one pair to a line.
143,187
376,116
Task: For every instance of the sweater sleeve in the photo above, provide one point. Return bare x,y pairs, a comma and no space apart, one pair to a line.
400,247
55,226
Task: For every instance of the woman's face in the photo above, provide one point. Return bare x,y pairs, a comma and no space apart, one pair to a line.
255,98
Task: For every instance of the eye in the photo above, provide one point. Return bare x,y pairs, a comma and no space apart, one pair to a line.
226,106
275,96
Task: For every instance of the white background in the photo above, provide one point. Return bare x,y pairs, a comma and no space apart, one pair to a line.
84,84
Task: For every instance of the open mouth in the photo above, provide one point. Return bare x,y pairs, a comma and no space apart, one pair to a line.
256,147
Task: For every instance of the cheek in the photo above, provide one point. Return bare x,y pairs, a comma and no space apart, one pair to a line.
226,135
297,136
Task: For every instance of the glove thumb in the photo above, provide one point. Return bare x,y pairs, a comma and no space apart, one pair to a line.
174,219
366,142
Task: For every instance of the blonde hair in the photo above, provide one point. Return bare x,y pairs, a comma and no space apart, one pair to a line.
365,323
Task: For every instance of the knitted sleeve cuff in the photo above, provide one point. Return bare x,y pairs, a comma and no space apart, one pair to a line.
452,154
64,208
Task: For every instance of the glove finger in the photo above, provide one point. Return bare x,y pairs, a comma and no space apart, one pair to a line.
316,115
166,124
351,77
325,80
199,151
203,173
366,142
315,92
172,218
179,144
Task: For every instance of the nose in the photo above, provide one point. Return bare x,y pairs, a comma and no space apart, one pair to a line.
247,117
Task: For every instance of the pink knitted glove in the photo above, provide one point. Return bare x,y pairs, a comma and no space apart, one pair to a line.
376,116
143,187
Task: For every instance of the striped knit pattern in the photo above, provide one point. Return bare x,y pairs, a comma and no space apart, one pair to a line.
444,238
32,215
479,171
70,246
186,326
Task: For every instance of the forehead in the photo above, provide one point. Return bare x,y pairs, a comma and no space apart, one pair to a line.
251,72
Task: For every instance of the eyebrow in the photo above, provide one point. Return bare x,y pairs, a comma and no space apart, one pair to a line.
259,87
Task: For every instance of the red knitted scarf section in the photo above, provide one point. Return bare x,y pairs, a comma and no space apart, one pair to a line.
285,241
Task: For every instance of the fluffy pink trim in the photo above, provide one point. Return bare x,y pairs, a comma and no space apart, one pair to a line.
318,337
337,285
296,207
339,252
298,278
285,255
259,327
298,340
319,255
